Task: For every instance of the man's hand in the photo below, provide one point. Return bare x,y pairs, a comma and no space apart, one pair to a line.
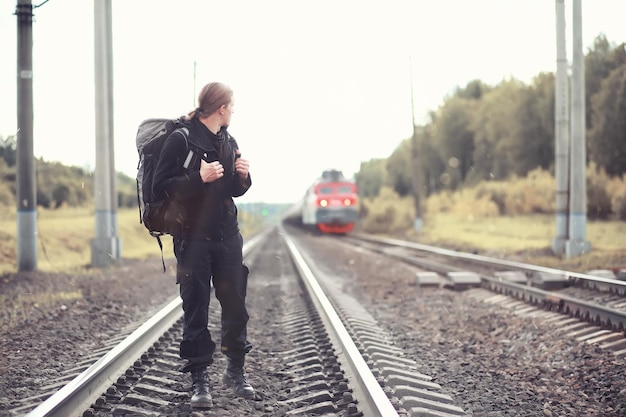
242,165
211,171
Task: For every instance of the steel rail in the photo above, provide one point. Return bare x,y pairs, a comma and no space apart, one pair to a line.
81,392
494,261
590,312
586,311
376,403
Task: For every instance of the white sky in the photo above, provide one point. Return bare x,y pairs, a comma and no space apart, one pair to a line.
318,84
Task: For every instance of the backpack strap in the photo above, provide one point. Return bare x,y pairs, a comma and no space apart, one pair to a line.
158,238
184,133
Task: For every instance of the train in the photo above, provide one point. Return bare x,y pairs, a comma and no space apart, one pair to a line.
330,205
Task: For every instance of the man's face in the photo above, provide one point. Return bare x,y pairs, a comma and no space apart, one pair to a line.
228,112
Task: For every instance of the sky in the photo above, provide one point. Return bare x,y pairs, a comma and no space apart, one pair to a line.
318,84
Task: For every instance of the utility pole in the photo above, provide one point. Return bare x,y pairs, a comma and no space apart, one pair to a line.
26,185
106,246
561,131
577,243
415,168
570,140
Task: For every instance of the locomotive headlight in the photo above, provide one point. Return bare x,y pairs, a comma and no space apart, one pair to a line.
347,202
323,203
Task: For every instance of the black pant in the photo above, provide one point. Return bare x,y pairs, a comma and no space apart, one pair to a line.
199,261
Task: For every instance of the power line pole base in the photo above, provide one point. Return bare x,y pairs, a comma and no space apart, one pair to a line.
576,248
418,224
27,240
558,246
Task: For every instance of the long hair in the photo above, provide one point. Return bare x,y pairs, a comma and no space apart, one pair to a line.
212,96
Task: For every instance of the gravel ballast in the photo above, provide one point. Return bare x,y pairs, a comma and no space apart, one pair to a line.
492,362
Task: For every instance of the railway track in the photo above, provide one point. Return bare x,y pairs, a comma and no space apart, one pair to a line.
597,298
335,359
330,353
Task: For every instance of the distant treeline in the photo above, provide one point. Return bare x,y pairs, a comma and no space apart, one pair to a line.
59,185
495,133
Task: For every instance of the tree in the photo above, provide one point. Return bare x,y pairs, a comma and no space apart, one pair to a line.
607,138
432,166
455,139
371,177
60,195
494,136
8,150
532,130
398,168
474,90
600,61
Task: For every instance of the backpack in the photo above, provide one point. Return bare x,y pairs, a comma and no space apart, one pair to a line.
160,217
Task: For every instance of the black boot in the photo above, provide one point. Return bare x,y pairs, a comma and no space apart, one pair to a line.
235,377
200,392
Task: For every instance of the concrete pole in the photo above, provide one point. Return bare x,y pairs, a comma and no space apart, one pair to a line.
26,185
561,139
105,247
111,136
577,244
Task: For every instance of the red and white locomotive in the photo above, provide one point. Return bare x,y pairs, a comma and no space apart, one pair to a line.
331,204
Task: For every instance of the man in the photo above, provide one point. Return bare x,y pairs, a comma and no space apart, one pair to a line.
203,172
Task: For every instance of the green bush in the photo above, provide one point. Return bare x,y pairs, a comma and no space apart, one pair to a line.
387,213
127,199
598,196
43,199
496,191
616,189
467,203
60,195
440,202
618,202
532,194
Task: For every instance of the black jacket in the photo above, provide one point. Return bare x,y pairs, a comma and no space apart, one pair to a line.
210,210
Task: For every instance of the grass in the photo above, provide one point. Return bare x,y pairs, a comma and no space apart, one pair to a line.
527,238
64,239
